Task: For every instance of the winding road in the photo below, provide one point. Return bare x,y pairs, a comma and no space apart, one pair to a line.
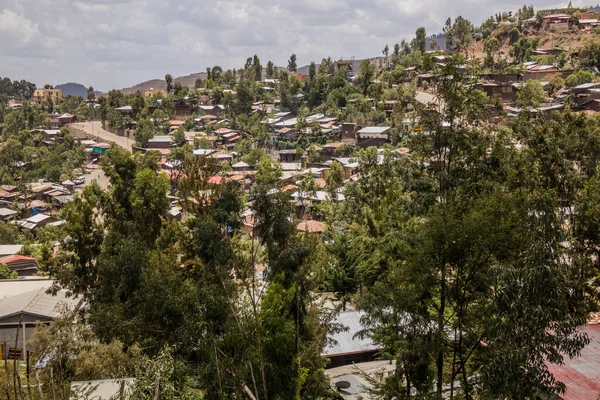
94,128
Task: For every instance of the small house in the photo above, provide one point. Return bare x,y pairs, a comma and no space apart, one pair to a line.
36,221
506,92
65,119
373,136
69,185
160,142
240,166
289,156
230,138
559,22
330,148
212,110
349,131
8,197
288,134
19,315
591,14
100,148
6,214
126,110
22,265
311,226
346,346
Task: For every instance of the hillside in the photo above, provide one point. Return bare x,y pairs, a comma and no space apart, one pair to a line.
160,84
569,41
72,89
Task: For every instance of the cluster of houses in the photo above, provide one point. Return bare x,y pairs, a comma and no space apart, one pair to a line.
562,22
34,200
505,89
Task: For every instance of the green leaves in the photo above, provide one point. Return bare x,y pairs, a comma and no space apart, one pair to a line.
477,255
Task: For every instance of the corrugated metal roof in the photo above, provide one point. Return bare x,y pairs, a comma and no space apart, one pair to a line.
345,342
36,302
10,249
37,218
15,257
425,98
13,287
6,212
104,389
375,129
581,375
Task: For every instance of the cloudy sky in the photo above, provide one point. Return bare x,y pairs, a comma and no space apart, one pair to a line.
118,43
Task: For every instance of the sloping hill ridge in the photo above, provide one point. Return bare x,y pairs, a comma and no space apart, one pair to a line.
160,84
72,89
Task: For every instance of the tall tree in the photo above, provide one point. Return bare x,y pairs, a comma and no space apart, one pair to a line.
292,63
169,82
257,68
449,34
386,50
433,44
462,31
91,96
270,69
144,131
216,72
530,95
312,70
449,255
491,47
420,40
366,74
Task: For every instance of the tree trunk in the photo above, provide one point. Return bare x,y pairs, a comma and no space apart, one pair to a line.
7,388
253,378
20,387
257,321
16,362
29,394
453,371
298,341
157,389
440,355
407,377
52,383
39,384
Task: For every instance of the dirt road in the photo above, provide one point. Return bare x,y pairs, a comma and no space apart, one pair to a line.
95,129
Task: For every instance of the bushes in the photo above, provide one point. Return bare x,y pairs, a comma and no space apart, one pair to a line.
578,78
514,35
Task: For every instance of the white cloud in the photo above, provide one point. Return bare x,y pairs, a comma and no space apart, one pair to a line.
89,7
117,43
16,28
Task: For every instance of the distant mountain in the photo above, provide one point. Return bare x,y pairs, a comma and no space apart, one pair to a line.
188,80
72,89
440,39
160,84
304,69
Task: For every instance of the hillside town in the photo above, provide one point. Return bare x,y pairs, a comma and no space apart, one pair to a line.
420,224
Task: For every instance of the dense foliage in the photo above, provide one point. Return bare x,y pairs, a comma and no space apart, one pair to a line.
472,253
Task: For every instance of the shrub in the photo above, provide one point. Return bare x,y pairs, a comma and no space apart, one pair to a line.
579,77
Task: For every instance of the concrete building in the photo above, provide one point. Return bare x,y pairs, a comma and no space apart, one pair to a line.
41,95
151,92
